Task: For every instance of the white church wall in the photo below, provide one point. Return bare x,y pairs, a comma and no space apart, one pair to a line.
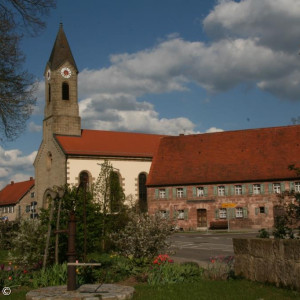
128,169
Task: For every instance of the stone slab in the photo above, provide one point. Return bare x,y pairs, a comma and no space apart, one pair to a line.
85,292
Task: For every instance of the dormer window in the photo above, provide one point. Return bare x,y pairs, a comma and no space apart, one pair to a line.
65,91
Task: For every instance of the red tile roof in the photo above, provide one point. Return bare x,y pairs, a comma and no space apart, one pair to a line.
110,143
14,192
232,156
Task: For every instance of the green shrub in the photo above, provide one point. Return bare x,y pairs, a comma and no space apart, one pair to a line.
220,268
168,273
143,237
263,234
29,243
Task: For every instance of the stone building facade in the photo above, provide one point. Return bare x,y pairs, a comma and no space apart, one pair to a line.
202,181
17,201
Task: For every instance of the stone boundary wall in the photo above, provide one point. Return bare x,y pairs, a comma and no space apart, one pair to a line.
268,260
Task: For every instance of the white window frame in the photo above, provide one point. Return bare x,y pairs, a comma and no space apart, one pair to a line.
239,212
256,189
223,213
180,214
297,187
276,188
200,191
179,192
162,193
238,190
221,190
32,195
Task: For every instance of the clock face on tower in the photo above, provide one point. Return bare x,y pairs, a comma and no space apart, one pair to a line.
65,72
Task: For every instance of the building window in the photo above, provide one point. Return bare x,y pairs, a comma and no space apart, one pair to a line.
239,212
297,187
222,213
256,189
83,179
238,190
262,209
221,190
179,192
180,214
143,192
200,191
162,193
276,188
49,160
28,208
32,195
65,91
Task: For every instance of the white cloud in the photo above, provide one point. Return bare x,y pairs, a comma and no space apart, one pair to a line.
214,129
15,166
275,23
32,127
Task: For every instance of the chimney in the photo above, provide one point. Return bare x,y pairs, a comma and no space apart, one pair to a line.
31,178
12,182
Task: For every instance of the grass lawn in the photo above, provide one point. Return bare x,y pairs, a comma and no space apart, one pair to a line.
214,290
203,290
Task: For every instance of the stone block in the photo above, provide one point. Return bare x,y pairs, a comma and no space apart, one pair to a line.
261,247
241,245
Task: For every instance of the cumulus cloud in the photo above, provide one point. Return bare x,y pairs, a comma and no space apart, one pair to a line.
275,23
32,127
15,166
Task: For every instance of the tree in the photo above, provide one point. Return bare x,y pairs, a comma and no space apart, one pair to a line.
16,85
108,194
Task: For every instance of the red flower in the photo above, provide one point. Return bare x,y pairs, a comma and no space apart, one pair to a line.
25,271
10,278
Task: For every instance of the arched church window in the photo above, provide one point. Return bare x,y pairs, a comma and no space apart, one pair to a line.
49,160
143,192
84,179
65,91
49,92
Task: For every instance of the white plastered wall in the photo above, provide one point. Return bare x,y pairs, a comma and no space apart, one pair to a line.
129,169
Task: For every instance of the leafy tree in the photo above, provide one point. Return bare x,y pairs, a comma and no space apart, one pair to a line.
16,85
109,195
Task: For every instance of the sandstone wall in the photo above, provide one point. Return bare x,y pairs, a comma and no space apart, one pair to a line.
267,260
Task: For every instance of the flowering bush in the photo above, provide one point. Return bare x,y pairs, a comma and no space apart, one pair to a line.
143,237
162,258
13,275
220,267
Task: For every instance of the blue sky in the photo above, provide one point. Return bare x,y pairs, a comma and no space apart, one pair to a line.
169,67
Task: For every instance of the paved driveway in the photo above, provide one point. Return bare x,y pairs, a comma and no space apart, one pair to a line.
200,247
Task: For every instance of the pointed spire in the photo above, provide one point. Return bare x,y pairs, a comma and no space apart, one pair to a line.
61,51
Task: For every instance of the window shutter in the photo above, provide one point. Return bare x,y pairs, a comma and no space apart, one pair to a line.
262,188
256,210
174,193
215,190
186,212
226,190
232,189
282,187
292,186
205,191
194,191
245,212
243,189
250,186
156,193
270,188
184,192
232,213
266,210
217,214
167,193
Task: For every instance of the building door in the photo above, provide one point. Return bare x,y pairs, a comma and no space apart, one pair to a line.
201,218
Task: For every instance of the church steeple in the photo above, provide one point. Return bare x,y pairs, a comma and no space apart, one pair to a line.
61,51
61,114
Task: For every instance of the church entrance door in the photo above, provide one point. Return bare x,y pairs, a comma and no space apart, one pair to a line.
201,218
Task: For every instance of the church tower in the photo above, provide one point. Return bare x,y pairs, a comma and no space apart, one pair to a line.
61,115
